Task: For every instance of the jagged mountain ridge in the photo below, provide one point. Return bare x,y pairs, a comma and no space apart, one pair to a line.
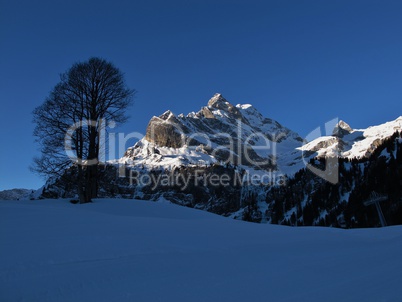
349,143
205,137
219,132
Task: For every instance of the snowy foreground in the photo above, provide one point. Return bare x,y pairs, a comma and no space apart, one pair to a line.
129,250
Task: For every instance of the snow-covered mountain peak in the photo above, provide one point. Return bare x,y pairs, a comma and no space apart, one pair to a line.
251,114
217,101
241,135
218,132
343,125
220,107
166,115
353,143
341,129
245,106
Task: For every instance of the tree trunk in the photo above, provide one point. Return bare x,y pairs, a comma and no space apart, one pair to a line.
91,186
81,193
91,183
81,185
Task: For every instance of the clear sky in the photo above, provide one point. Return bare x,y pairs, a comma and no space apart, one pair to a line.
301,63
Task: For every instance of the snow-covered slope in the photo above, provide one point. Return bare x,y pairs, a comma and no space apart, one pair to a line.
15,194
130,250
353,143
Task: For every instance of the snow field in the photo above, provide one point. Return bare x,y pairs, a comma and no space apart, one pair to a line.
131,250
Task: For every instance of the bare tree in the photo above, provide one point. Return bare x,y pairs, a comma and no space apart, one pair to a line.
69,122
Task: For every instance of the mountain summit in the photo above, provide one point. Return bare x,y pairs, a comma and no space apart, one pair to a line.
220,103
349,143
217,101
341,129
218,132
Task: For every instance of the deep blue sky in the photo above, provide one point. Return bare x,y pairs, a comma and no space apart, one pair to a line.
299,62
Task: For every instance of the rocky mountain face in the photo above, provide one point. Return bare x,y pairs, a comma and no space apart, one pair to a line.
219,132
232,161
